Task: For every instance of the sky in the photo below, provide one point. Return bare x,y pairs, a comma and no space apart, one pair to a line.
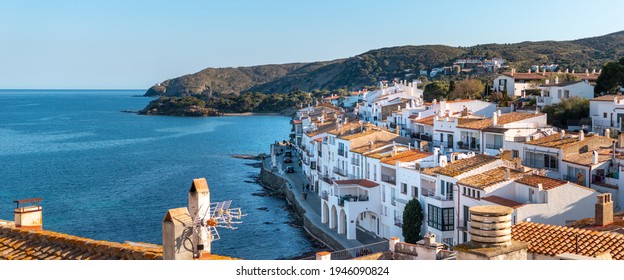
134,44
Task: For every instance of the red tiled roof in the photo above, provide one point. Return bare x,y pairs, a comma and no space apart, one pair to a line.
554,240
361,182
406,156
464,165
501,120
547,182
427,120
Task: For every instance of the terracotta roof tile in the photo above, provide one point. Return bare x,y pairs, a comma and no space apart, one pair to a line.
609,98
501,120
547,183
553,240
464,165
426,121
489,178
406,156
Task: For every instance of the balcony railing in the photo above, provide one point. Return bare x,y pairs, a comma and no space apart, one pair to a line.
340,172
355,161
432,194
421,136
324,195
493,146
327,180
573,179
468,146
398,221
352,198
388,179
442,143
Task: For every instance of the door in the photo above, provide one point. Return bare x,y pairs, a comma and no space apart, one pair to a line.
450,140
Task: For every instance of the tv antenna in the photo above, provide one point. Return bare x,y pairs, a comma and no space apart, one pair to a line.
217,215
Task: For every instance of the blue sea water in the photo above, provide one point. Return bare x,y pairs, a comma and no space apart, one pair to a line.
109,175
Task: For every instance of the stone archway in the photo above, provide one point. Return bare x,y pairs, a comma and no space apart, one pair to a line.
325,213
333,218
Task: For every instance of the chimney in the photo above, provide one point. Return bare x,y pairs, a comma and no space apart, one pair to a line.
607,133
556,80
28,214
604,210
498,112
429,239
513,71
199,208
621,141
594,157
594,71
177,231
465,111
573,71
507,174
567,71
495,119
436,155
562,134
581,136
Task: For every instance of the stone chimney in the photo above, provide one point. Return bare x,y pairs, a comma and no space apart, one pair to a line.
490,236
562,134
199,208
495,119
513,71
507,176
28,214
604,210
464,111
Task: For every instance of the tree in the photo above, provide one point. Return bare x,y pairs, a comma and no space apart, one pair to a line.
412,221
611,78
436,90
573,108
470,88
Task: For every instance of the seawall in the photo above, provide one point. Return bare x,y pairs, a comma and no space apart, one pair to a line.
277,183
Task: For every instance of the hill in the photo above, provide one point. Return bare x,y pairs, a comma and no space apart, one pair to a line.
396,62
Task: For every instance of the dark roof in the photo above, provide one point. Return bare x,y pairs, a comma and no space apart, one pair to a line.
361,182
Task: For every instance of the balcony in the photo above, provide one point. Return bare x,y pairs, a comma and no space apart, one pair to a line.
340,172
493,146
351,198
324,195
398,221
421,136
327,180
468,146
388,179
355,161
432,194
442,144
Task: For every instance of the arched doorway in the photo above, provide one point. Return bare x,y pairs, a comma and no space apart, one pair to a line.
342,222
333,218
325,213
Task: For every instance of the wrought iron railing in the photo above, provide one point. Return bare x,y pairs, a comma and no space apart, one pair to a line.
388,179
340,171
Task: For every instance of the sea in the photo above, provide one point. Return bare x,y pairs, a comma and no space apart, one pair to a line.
111,175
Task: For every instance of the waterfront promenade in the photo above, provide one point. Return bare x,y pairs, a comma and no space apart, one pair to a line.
312,203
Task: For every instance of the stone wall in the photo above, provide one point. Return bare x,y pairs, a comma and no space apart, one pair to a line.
320,235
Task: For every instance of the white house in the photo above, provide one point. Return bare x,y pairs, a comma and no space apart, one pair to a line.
554,93
607,112
516,83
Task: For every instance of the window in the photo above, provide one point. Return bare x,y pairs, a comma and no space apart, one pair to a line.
403,188
386,211
414,191
515,153
478,195
440,218
559,94
393,195
604,115
383,193
341,149
494,141
566,93
539,160
531,194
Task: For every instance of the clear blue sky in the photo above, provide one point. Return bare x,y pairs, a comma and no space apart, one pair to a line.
135,44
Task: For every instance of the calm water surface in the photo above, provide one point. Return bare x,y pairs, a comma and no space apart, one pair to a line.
109,175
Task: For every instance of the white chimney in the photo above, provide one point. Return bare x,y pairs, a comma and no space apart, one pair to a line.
199,208
562,134
443,106
607,133
581,135
556,79
28,214
494,119
443,161
594,157
507,174
436,153
498,112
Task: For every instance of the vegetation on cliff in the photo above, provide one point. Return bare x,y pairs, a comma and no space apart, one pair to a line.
200,105
404,62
